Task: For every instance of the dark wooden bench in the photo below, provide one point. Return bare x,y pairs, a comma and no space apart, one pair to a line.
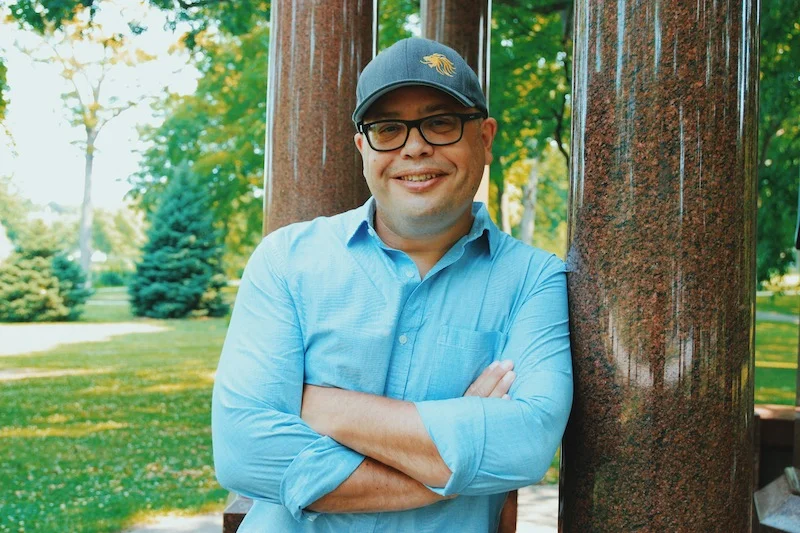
774,441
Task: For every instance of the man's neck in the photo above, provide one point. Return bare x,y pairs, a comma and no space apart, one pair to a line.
425,250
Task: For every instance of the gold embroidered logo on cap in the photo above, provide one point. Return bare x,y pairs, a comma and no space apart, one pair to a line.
440,63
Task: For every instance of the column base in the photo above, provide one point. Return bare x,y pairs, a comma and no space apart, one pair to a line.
778,504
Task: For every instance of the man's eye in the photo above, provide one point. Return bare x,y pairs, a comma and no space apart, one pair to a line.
441,123
388,129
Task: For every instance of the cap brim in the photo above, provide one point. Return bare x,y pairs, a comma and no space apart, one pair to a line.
358,114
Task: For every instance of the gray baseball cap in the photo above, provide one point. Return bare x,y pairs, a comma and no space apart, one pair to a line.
417,61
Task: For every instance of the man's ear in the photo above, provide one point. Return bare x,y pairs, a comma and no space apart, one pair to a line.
488,131
359,140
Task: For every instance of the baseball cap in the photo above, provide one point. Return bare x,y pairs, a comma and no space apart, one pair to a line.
417,61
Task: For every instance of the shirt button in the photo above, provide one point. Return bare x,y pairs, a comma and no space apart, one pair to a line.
409,273
403,339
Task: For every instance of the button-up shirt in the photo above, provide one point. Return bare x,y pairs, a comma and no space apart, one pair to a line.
326,302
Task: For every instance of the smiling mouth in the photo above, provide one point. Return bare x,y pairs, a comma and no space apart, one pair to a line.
419,177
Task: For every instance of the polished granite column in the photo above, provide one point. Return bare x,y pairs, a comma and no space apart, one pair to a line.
464,26
317,50
662,266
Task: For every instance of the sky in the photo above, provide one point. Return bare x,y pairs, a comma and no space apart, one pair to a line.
45,164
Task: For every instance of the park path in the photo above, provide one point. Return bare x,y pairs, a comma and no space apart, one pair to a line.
18,339
537,513
777,317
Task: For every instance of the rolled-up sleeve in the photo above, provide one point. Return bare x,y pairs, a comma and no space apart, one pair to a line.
493,445
262,448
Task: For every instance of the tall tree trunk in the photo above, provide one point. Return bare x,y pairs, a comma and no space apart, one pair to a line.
85,232
501,186
505,216
528,223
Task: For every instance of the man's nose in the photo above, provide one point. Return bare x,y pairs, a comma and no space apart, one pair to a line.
416,144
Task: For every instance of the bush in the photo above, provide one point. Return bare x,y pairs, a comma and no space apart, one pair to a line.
39,284
112,278
181,268
71,285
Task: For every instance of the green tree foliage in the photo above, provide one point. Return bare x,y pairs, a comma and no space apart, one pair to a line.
552,190
529,87
232,17
89,55
71,284
778,136
220,128
13,209
395,18
181,268
3,89
39,283
120,235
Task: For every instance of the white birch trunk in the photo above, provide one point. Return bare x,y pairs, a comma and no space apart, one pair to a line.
528,224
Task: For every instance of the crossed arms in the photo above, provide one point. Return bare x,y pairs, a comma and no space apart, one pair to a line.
400,459
353,452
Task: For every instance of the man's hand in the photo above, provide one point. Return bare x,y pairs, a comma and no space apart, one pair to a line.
319,403
391,431
494,382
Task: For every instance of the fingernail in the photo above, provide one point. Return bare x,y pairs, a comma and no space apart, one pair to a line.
507,364
509,376
506,397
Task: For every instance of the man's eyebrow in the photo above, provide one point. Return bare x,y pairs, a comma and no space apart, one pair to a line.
438,107
380,115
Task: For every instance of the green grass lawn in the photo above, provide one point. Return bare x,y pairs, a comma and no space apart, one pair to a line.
776,362
779,303
776,351
130,437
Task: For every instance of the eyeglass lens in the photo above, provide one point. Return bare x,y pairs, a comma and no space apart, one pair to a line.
437,130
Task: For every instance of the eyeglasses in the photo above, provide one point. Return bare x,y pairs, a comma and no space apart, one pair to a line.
437,130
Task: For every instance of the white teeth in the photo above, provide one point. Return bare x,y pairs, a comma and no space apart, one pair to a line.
418,177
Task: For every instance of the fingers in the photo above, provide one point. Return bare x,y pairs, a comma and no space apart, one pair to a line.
494,381
501,389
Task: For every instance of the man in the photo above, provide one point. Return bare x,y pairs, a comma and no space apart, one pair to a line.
366,381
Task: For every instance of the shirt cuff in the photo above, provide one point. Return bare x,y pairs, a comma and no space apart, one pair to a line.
457,428
316,471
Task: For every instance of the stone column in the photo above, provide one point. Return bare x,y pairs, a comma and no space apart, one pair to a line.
662,266
311,167
464,26
317,50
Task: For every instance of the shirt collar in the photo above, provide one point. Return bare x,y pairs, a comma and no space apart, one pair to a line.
482,225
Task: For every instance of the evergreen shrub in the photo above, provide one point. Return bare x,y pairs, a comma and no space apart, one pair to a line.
180,272
38,283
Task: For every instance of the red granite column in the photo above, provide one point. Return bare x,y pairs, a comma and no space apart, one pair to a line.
662,266
317,50
464,26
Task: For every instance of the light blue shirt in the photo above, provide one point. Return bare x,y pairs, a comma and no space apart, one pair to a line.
327,303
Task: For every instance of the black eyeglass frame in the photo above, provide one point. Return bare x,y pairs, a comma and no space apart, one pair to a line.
410,124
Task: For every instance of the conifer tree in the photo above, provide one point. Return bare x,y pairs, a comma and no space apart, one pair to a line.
39,283
181,269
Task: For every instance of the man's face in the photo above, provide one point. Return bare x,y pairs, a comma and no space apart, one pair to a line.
421,189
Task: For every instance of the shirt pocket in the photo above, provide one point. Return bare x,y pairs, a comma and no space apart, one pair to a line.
460,355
